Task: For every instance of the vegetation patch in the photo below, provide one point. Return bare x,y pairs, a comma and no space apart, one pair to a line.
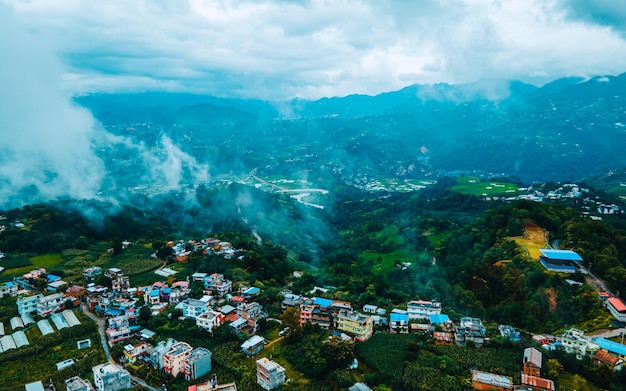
476,186
15,262
385,353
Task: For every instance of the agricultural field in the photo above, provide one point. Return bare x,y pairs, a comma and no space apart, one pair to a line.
47,261
476,186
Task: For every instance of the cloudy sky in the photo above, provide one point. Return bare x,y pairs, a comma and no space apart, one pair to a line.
285,49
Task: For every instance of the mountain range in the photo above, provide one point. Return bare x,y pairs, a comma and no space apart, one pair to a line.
569,129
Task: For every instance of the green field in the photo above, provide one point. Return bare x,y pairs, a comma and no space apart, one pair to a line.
476,186
47,261
383,263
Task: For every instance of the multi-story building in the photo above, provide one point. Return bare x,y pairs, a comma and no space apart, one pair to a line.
316,311
155,356
358,325
486,381
28,304
217,282
77,383
422,309
133,352
174,359
470,329
574,341
398,323
50,304
193,308
269,374
120,284
119,330
197,364
210,320
110,377
253,345
91,272
8,289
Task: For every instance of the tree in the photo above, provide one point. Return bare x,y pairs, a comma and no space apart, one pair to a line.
555,368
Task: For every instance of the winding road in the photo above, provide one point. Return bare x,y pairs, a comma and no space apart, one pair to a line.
105,345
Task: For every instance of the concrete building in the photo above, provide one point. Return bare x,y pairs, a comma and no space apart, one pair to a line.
470,329
253,345
28,304
269,374
174,359
358,325
398,323
217,282
110,377
50,304
490,381
155,356
77,383
210,320
197,364
574,341
8,289
193,308
422,309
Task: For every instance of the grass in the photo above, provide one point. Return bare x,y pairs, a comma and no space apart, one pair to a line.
476,186
385,262
436,239
532,246
47,261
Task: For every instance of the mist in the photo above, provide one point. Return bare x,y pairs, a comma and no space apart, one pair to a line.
46,151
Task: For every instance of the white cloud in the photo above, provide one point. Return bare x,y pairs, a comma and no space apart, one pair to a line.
284,49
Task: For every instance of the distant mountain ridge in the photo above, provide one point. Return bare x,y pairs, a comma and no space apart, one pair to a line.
566,130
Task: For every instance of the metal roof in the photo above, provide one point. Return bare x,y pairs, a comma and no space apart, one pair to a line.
565,255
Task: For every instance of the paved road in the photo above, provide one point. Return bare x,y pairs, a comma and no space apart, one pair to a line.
608,333
105,345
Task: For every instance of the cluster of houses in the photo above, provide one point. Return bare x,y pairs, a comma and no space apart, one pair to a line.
209,246
602,350
530,379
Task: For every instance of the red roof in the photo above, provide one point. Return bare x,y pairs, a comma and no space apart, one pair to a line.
538,382
617,304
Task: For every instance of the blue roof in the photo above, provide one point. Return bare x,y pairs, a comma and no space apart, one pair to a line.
53,277
399,317
324,303
611,346
112,312
252,291
153,293
166,290
9,284
565,255
439,318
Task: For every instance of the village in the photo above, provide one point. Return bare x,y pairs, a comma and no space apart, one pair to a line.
234,303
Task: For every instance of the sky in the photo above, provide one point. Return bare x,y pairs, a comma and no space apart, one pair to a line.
279,50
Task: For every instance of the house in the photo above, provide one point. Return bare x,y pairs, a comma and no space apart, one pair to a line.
50,304
370,309
602,356
574,341
76,291
614,348
119,330
317,311
560,261
253,345
355,324
617,308
217,282
174,359
509,332
77,383
210,320
155,356
8,289
92,272
290,300
398,323
532,362
197,364
251,312
131,353
269,374
470,329
486,381
110,377
192,308
28,304
443,338
422,309
537,383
